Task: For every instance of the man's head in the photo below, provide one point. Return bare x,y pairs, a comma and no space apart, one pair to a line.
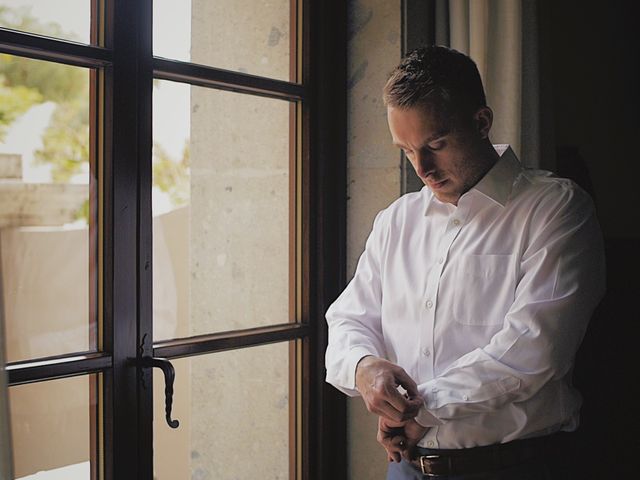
439,78
438,115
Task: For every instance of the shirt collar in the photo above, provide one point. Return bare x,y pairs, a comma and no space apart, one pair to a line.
497,182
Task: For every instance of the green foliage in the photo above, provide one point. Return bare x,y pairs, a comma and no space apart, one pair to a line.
65,143
83,212
170,176
54,81
14,101
25,82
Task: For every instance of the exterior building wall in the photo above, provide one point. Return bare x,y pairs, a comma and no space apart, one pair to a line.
239,242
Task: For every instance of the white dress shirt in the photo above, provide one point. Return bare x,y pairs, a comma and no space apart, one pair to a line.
484,304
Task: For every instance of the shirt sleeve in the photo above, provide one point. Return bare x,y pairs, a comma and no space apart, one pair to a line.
560,282
354,319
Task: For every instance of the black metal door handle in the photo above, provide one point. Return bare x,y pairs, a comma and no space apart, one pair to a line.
169,377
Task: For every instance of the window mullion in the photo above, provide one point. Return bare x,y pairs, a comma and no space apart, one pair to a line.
145,235
127,239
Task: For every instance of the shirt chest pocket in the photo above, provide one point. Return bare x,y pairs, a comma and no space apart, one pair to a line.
484,289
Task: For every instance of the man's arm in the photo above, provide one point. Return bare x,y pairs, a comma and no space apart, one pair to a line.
561,281
355,356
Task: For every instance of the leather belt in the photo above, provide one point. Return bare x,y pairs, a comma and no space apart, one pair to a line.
465,461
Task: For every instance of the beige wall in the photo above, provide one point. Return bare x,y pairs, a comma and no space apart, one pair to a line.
50,421
373,175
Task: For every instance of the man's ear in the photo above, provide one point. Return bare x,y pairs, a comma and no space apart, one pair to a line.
483,120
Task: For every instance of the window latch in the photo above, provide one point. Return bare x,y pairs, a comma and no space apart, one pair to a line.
169,377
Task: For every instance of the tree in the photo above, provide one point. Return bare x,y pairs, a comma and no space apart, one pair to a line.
55,82
25,82
14,101
65,142
170,176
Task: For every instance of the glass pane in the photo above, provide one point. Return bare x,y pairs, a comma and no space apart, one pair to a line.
46,236
221,210
54,427
241,35
64,19
234,409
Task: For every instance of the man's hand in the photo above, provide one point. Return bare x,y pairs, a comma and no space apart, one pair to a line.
399,438
377,380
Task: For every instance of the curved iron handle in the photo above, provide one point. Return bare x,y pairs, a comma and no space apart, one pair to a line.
169,377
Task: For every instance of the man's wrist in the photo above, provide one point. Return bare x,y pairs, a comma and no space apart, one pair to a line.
361,363
354,357
363,359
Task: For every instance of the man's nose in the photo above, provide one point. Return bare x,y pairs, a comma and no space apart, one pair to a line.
423,164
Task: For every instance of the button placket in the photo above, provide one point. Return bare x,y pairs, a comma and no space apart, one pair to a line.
427,344
429,309
452,228
430,299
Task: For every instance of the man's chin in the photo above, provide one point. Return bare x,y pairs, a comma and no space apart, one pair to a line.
446,197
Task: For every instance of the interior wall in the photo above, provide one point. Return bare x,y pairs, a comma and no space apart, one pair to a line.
591,66
591,57
373,176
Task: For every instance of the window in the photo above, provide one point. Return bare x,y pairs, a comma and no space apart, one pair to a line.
189,207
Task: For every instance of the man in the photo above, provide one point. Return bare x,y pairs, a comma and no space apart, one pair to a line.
460,325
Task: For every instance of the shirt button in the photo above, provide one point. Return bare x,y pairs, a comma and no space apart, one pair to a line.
441,260
426,352
434,389
430,444
429,304
456,222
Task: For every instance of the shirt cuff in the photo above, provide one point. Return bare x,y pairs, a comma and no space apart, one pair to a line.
353,358
426,418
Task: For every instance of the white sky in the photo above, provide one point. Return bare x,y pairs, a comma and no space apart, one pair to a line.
171,102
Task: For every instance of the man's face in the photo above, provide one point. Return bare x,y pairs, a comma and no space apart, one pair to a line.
448,161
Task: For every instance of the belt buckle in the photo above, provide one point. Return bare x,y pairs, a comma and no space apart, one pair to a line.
425,465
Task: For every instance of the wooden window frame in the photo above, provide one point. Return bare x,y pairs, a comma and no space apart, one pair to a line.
126,69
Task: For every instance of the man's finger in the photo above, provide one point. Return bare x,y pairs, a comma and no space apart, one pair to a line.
384,409
401,404
394,446
406,407
403,379
391,436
